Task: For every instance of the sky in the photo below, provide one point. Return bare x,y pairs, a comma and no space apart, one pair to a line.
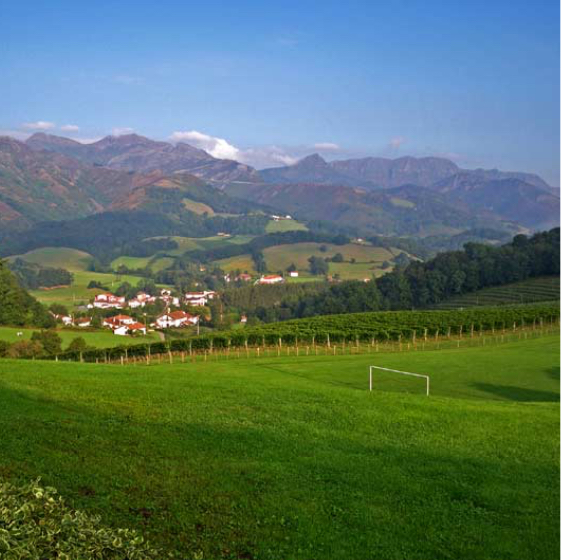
266,83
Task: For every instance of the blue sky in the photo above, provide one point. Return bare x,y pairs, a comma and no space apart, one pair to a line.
269,82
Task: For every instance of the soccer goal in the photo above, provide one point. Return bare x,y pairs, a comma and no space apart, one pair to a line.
371,376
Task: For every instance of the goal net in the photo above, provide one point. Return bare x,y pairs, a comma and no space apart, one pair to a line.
371,376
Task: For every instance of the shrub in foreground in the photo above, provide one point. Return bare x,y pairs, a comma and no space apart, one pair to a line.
36,523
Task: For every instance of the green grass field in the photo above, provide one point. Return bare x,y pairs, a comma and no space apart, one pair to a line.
544,288
58,257
241,262
99,339
293,458
368,258
77,262
284,225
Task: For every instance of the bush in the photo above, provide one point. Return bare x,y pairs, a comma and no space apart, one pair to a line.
36,523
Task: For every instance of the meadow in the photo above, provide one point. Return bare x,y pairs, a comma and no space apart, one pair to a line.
99,339
77,262
293,457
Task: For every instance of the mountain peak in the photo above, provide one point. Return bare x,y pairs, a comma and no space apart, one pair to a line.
313,160
41,140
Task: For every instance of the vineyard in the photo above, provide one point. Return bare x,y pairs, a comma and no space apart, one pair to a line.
353,328
533,290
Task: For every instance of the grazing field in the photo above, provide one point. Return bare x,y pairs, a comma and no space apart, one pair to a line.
545,288
99,339
366,256
294,458
241,262
284,225
77,262
58,257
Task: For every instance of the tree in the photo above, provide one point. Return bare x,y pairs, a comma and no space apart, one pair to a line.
58,309
77,344
49,340
25,349
337,258
291,268
318,265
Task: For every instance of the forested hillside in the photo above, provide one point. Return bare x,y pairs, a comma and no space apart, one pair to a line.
17,307
423,284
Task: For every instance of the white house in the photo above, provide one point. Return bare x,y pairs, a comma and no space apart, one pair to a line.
198,299
176,319
293,274
140,300
118,321
108,301
270,279
83,322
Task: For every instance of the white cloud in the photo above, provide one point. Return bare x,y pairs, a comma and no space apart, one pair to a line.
121,131
216,147
70,128
38,125
326,147
259,157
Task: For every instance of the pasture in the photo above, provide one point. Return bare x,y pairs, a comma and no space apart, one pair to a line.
96,338
284,225
368,258
76,262
294,458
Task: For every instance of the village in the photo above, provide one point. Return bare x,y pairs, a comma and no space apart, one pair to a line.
122,325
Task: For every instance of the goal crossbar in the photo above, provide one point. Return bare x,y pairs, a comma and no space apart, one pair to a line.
399,371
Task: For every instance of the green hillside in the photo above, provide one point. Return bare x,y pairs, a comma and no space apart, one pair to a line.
294,458
58,257
545,288
77,262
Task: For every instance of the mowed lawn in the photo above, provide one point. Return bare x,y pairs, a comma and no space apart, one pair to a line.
292,458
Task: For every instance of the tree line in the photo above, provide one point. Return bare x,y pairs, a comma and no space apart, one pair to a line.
420,285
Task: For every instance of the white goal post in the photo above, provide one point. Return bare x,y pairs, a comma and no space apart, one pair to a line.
371,381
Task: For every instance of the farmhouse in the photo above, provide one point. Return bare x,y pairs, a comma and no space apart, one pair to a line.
108,301
243,277
270,279
83,322
198,299
118,321
64,319
293,274
140,300
176,319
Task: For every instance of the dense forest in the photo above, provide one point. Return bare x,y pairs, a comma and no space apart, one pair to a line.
32,276
422,284
108,234
17,307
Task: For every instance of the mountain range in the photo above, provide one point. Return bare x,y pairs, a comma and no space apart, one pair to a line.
54,178
132,152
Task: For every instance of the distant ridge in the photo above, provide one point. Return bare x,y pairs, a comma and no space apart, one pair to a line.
132,152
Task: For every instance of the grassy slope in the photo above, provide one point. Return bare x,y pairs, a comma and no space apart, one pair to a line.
293,458
59,257
76,262
100,339
544,288
284,225
369,259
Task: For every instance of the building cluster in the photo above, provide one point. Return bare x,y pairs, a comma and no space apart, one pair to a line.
110,301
